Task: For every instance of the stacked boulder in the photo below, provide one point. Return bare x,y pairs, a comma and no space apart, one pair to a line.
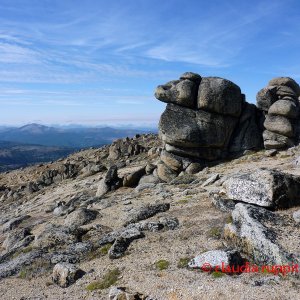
280,103
206,119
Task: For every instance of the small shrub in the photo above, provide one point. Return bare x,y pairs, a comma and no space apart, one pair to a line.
99,252
162,264
27,249
104,250
110,278
217,274
183,201
183,262
35,269
23,274
215,232
229,220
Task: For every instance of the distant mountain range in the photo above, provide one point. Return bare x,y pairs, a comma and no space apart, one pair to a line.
17,155
81,137
34,143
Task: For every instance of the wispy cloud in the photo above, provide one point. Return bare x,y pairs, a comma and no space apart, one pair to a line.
60,53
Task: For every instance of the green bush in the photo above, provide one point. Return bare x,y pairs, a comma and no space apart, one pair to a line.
110,278
183,262
162,264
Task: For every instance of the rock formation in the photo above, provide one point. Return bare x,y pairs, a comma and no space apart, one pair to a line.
280,103
208,119
205,119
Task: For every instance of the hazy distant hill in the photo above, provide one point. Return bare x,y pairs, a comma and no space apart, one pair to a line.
80,137
15,155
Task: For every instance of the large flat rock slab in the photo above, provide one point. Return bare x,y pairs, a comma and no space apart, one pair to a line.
267,188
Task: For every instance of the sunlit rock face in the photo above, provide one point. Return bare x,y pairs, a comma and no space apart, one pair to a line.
206,119
279,101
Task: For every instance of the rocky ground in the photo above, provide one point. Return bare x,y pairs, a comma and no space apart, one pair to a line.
143,235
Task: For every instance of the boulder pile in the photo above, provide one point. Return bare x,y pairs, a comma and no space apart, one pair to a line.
280,103
206,119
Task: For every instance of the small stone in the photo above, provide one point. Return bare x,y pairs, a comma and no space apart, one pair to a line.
296,216
65,274
219,259
211,180
194,168
271,153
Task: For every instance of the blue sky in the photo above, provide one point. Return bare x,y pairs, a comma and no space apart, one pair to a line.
98,62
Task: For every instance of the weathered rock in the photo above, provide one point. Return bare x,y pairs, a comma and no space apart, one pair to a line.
267,188
223,204
32,187
17,239
174,162
146,212
248,132
80,217
205,153
145,186
181,92
65,274
266,97
194,168
165,173
149,179
271,153
133,179
284,108
285,91
122,293
218,260
166,223
191,76
276,141
110,182
118,248
169,223
62,209
282,117
279,124
91,169
152,151
149,168
220,96
253,232
296,216
55,235
187,128
286,81
121,240
184,179
12,267
103,188
211,180
14,223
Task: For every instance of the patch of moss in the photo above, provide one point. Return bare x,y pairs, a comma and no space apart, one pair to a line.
35,269
183,262
183,201
229,219
162,264
110,278
104,250
27,249
24,250
98,252
217,274
215,232
23,274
